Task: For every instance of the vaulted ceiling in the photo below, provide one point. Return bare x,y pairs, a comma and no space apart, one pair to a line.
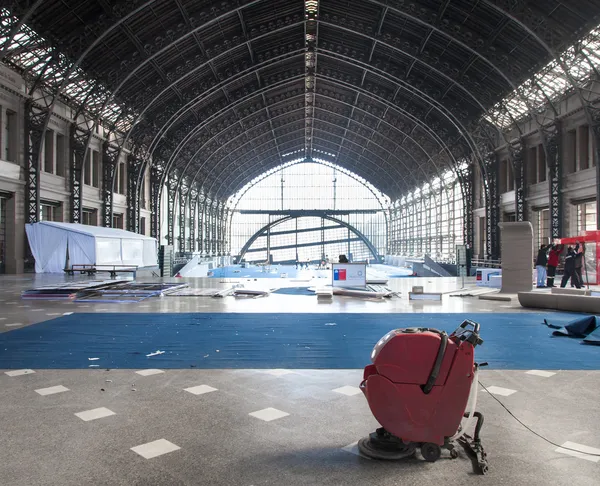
221,91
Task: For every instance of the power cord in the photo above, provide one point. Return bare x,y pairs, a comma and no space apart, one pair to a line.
530,429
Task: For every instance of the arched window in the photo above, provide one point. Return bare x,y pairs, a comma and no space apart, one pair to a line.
317,185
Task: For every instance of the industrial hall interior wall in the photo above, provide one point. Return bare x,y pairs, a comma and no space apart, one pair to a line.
426,223
430,220
352,107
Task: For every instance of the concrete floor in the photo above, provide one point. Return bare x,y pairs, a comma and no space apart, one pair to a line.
208,436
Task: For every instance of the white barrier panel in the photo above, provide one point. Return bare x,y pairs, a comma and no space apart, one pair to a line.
346,275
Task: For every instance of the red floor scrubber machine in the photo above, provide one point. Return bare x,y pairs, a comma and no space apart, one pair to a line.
420,387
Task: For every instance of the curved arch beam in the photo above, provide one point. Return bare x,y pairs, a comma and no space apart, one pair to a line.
272,224
258,156
243,175
403,113
324,163
378,156
386,162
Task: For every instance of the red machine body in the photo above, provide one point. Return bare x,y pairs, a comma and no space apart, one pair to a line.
420,381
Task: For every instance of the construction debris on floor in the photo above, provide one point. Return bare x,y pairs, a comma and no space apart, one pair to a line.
126,291
190,292
68,290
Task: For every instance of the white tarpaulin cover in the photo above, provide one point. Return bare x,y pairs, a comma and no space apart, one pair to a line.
50,241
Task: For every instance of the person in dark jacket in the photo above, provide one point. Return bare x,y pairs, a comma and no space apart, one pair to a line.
553,258
579,256
569,271
540,265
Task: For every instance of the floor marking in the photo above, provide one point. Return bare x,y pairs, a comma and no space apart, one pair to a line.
67,313
544,374
54,314
52,390
19,372
16,324
200,389
149,372
279,372
348,390
580,455
2,318
96,413
155,449
498,390
268,414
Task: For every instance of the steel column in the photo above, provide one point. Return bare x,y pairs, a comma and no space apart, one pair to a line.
171,197
518,161
134,166
79,139
183,190
155,178
193,201
554,160
110,159
492,206
36,120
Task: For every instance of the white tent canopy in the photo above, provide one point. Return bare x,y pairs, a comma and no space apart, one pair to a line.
51,243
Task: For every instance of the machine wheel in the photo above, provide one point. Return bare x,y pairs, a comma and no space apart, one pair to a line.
453,453
384,450
431,452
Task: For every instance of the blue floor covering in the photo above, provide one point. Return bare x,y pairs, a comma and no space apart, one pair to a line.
301,341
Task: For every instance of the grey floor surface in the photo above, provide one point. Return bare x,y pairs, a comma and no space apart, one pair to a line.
218,442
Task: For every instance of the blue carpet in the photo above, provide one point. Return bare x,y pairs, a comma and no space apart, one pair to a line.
309,341
294,291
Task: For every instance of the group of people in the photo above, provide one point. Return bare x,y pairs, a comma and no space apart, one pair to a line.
548,258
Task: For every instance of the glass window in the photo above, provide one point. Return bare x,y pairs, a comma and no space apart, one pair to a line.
586,217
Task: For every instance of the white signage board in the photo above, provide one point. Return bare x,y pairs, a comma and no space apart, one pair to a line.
348,275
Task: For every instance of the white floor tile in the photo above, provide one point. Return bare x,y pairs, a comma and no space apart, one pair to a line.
498,390
580,455
200,389
279,372
14,324
269,414
543,374
149,372
19,372
348,390
52,390
155,449
96,413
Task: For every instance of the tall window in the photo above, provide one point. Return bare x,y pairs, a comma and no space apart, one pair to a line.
586,217
429,220
49,152
117,221
60,154
89,217
309,185
10,136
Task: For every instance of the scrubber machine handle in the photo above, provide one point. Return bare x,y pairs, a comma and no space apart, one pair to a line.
468,331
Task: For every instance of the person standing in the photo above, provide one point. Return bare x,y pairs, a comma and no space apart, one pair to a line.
553,259
569,271
540,265
579,260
